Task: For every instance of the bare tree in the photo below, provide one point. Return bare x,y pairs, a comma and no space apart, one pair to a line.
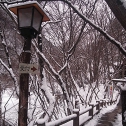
75,54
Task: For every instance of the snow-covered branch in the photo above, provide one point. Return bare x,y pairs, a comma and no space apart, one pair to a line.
57,76
49,96
6,52
9,67
107,36
50,22
12,76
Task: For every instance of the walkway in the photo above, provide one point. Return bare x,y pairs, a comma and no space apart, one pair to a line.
108,118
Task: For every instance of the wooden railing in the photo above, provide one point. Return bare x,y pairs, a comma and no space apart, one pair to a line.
78,118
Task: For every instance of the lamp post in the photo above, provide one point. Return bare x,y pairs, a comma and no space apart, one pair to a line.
29,16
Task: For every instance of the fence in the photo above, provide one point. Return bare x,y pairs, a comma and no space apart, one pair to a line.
76,118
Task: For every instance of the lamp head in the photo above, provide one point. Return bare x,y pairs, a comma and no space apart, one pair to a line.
30,15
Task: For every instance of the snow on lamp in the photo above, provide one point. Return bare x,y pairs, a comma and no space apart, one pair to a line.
30,16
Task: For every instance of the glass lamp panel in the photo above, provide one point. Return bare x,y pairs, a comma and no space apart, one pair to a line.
25,17
37,20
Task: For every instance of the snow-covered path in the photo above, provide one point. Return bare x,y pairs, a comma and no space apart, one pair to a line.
110,116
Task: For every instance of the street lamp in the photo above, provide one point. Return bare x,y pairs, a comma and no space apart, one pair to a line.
30,15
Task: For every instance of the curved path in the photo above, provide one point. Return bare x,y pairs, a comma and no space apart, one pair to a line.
110,117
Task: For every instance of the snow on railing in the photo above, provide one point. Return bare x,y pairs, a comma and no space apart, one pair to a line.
79,118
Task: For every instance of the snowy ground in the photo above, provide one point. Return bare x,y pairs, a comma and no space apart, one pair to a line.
118,121
11,105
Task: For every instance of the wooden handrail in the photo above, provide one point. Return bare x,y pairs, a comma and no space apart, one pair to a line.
62,121
77,114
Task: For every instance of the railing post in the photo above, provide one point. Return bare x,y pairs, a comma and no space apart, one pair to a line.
98,106
101,104
111,102
91,111
114,101
77,106
76,120
105,104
